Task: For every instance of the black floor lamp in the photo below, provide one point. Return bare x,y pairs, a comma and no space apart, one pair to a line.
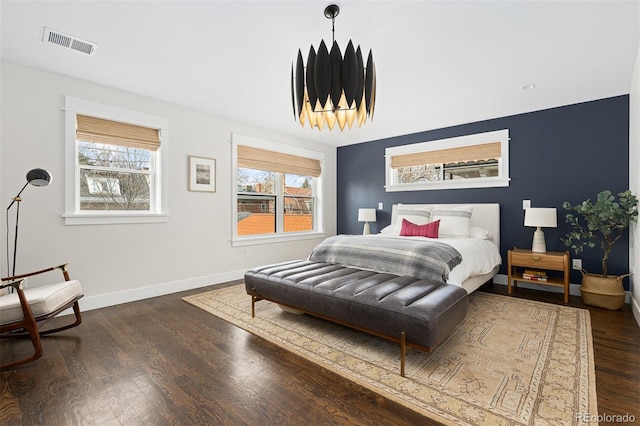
35,177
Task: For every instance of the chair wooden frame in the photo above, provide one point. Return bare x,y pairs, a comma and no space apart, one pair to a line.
29,326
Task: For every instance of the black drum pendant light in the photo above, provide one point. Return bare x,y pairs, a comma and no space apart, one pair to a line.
333,88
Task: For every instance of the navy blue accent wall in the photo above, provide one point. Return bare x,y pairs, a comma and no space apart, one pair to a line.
561,154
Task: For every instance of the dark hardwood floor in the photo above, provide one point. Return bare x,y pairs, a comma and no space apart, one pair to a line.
162,361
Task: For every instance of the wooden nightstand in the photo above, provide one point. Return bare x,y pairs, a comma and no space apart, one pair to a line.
551,260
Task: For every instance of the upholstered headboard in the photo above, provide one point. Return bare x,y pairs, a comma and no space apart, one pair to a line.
485,215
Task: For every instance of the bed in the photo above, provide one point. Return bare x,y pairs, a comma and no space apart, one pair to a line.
481,258
403,288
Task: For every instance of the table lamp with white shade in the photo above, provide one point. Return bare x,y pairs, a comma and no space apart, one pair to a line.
540,217
366,216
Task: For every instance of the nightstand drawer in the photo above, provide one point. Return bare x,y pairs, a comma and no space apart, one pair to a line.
537,260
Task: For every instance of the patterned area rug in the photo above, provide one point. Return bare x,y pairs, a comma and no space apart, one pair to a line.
510,361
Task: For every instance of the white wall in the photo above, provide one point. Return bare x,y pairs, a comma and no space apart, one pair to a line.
120,263
634,185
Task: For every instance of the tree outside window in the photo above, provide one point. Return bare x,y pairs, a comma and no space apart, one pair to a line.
113,177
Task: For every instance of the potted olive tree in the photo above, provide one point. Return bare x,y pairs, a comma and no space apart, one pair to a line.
601,223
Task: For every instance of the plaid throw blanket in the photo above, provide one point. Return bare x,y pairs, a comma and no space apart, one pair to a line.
424,259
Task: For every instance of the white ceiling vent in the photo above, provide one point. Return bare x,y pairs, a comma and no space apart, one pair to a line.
69,41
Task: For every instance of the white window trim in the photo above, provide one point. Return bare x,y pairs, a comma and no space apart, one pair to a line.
318,215
74,106
467,140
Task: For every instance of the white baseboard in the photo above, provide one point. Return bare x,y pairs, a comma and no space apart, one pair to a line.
574,289
110,299
635,308
126,296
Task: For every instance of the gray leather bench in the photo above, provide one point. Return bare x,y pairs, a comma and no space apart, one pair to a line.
413,312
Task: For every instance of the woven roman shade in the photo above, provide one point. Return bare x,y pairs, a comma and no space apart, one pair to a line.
262,159
485,151
98,130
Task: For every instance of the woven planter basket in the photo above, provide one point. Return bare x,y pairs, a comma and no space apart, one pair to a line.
602,292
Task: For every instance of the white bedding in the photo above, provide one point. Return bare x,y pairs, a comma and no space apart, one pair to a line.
480,253
479,257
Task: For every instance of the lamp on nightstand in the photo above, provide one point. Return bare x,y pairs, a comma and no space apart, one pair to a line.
540,217
366,216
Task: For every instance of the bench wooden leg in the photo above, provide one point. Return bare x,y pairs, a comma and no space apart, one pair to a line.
403,337
403,348
253,303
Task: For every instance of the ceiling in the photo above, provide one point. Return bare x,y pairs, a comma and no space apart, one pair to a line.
438,63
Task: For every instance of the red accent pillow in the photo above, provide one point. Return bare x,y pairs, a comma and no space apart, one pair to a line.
429,230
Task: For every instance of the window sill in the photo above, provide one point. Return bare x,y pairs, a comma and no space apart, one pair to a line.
270,239
107,219
450,184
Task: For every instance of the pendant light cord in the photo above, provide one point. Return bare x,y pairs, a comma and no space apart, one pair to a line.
332,11
333,30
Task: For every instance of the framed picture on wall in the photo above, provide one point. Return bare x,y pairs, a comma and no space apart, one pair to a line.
202,174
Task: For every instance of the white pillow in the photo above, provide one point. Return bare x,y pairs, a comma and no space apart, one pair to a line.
388,230
418,215
455,222
480,232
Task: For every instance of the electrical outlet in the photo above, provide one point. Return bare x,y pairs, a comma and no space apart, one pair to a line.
576,263
380,206
526,204
247,252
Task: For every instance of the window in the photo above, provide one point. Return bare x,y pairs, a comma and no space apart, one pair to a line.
114,162
473,161
278,191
